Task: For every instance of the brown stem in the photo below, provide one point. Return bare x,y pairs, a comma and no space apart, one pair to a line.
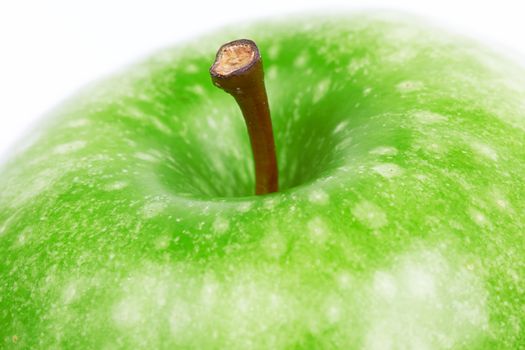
238,71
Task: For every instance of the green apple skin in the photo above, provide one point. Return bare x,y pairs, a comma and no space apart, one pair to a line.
127,220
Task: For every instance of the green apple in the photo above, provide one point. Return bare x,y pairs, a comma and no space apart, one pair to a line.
128,220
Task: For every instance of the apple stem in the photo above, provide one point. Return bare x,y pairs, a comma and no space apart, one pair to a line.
238,70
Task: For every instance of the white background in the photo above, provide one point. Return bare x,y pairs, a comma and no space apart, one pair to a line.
50,48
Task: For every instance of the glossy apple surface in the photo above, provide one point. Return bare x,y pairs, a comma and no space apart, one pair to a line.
127,221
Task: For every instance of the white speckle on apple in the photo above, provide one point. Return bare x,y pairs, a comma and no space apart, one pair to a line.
70,292
499,198
421,177
388,170
274,244
318,196
270,203
273,51
162,242
41,182
126,313
344,280
69,147
409,86
115,186
367,91
478,217
378,340
317,230
484,150
146,156
197,89
161,126
418,282
401,56
131,111
179,317
273,72
384,151
434,148
77,123
357,64
23,237
341,126
221,225
301,60
275,300
191,68
296,114
369,214
333,311
244,207
209,293
502,203
321,89
428,117
153,209
384,285
212,123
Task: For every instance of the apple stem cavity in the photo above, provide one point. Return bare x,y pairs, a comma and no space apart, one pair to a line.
238,70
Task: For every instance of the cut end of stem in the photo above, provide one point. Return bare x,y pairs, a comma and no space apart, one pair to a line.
235,57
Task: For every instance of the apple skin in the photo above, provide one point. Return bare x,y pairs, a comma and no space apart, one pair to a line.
127,220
